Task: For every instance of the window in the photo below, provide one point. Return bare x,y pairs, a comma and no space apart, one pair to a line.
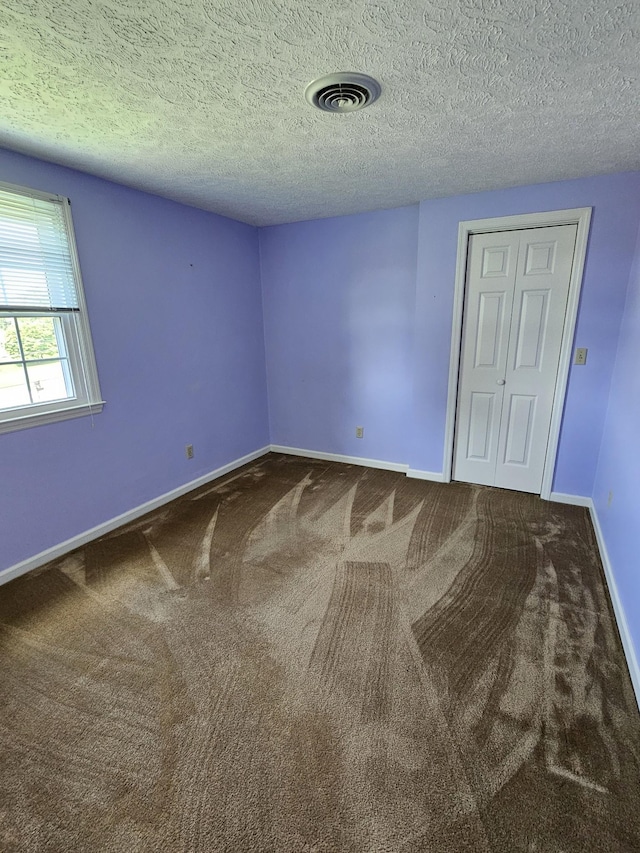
47,366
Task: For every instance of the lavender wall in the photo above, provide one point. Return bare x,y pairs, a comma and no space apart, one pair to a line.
342,312
339,311
618,474
616,211
175,308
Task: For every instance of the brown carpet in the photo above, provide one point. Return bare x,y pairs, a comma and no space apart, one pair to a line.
317,657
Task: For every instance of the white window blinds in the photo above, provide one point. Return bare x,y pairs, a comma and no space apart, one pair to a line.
36,270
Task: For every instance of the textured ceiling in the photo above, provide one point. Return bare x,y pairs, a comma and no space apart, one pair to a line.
203,100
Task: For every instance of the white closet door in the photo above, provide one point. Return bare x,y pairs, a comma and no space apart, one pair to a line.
491,276
511,348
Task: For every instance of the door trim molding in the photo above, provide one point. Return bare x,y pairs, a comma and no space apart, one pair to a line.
580,216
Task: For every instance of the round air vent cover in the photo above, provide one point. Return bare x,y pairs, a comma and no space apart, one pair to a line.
343,92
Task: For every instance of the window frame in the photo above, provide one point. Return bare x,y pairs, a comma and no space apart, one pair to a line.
87,399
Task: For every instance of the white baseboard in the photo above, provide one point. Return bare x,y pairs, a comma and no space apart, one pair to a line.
339,457
574,500
618,609
433,476
402,468
106,527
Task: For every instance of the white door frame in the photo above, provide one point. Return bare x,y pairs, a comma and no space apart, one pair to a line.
580,216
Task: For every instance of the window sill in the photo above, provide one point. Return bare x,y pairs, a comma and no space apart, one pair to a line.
50,417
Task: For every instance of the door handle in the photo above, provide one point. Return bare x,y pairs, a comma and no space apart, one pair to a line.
499,381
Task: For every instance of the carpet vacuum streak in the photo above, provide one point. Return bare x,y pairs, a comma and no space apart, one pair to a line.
309,657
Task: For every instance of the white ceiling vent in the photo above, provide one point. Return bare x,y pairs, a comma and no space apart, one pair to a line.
343,92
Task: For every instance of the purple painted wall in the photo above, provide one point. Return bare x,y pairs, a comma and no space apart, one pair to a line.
616,211
175,308
339,311
618,474
342,311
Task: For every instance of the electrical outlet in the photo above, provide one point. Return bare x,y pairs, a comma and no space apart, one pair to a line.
189,451
359,432
581,356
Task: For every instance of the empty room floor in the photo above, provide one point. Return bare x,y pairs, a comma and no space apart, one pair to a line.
309,656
